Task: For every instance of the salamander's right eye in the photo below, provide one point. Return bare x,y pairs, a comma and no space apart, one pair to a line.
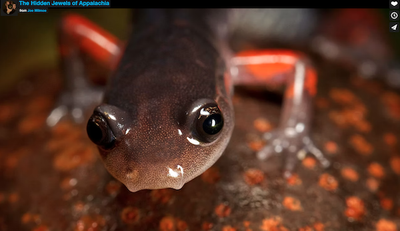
99,131
209,122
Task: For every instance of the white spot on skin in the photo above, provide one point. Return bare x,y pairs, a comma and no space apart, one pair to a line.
132,175
193,141
127,131
180,168
175,174
172,173
179,132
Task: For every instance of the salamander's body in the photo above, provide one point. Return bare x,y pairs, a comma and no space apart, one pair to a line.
169,73
167,113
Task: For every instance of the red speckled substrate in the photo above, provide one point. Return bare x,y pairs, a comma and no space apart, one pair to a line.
52,179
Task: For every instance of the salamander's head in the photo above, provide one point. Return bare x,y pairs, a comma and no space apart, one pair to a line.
161,145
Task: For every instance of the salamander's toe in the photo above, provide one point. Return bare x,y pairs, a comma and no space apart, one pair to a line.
75,104
294,148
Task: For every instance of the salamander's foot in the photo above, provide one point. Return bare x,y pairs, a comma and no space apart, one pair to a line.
74,105
295,147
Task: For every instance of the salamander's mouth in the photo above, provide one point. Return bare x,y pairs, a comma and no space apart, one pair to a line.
168,177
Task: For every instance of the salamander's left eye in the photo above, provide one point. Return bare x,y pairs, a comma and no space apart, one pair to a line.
209,122
99,131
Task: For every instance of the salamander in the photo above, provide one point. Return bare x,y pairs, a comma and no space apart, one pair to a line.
167,115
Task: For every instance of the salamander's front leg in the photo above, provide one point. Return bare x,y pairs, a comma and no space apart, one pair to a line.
292,69
79,36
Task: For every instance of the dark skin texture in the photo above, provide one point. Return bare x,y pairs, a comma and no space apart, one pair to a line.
156,122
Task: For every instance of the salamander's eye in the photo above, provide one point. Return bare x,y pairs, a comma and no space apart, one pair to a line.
99,131
209,122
